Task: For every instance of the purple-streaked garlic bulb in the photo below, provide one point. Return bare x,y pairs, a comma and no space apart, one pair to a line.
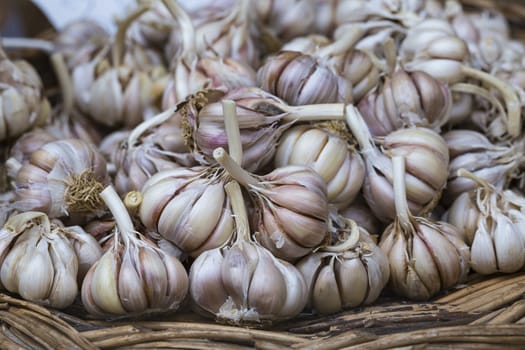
348,272
425,256
262,118
427,160
496,164
492,221
290,215
242,282
63,178
328,150
120,282
406,99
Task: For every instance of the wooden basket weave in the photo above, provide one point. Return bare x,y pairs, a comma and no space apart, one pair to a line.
485,313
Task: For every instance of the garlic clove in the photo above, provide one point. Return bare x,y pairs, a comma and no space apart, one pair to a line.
354,287
154,275
206,287
483,255
237,270
326,295
103,286
508,245
131,286
35,273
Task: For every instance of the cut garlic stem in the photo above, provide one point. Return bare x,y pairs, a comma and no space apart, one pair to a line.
117,50
119,211
314,112
231,124
400,193
29,43
64,80
348,244
187,30
479,91
509,95
240,214
132,201
234,169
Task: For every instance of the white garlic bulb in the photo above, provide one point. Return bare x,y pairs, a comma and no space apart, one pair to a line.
119,284
326,149
243,282
345,274
492,221
425,256
38,260
63,178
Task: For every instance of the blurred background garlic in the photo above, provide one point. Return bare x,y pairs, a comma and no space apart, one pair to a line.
193,70
427,160
492,221
38,261
327,148
120,282
290,215
350,270
242,282
425,256
63,179
24,105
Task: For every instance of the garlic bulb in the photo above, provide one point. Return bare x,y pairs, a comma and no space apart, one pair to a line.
492,222
113,93
193,70
433,46
345,274
284,20
496,164
80,41
427,162
37,261
262,118
62,178
406,99
148,149
7,198
175,201
290,206
226,35
243,282
22,101
425,256
119,284
28,143
326,148
153,27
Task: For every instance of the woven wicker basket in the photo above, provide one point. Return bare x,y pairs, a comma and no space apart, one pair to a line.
484,313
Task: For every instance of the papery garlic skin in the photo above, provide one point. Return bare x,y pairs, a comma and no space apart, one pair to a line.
62,178
330,155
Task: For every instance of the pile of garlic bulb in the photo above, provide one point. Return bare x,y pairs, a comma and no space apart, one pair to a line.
252,163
